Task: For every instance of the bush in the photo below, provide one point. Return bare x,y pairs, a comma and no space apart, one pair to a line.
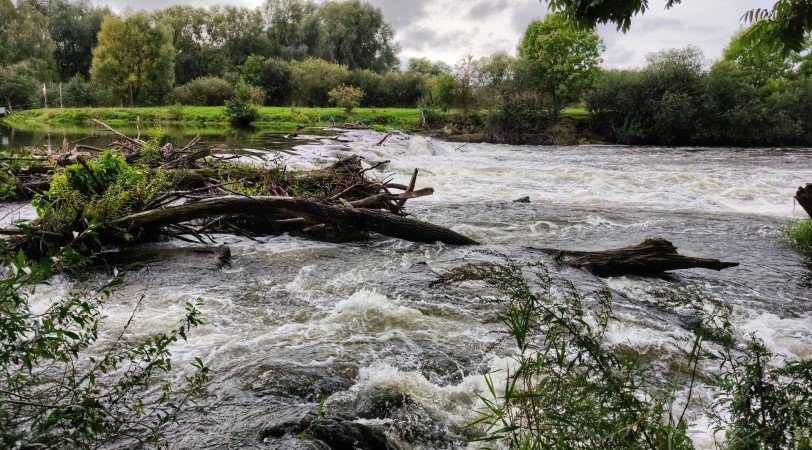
443,92
56,393
273,76
241,110
81,92
314,78
346,97
204,91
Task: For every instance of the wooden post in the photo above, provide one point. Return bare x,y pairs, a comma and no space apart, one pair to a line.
60,94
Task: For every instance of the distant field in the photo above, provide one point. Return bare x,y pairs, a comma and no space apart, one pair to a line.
271,117
575,112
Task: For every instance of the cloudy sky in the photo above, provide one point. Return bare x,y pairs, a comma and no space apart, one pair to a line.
448,30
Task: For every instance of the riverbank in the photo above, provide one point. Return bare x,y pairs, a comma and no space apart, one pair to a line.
282,118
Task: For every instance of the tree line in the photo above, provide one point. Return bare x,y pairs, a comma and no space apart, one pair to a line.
295,52
138,58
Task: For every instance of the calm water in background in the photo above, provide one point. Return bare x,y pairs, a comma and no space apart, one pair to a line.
292,321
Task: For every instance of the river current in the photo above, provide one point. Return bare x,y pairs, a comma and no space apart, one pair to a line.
292,322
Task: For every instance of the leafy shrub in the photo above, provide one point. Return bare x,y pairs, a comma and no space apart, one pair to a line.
204,91
99,192
81,92
272,75
314,78
346,97
241,110
443,92
56,393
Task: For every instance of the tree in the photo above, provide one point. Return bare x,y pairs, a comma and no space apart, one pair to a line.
423,66
272,75
313,78
135,55
73,27
359,36
237,33
196,54
24,37
443,92
784,26
758,63
241,110
566,55
18,85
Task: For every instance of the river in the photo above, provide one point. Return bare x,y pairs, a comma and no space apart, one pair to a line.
292,322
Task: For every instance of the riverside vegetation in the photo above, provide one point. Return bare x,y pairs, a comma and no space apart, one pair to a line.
294,53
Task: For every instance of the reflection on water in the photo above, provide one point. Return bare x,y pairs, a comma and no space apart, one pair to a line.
53,137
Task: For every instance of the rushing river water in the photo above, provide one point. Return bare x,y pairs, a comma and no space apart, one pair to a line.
292,321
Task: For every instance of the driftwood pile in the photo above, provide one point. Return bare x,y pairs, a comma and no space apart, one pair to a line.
338,199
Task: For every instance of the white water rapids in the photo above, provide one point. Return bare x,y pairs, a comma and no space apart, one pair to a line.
293,321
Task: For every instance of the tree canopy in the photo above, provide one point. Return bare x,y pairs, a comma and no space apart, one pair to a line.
135,54
566,56
783,26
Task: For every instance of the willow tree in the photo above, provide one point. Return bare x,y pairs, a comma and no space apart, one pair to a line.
565,57
135,57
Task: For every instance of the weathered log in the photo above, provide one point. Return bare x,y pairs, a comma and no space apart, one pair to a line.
650,257
353,218
804,198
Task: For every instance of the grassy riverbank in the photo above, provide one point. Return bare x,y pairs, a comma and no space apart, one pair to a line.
269,117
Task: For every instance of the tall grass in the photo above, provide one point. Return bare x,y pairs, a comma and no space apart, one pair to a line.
799,235
568,388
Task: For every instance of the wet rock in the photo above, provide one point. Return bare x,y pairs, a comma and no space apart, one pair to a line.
525,199
346,435
291,422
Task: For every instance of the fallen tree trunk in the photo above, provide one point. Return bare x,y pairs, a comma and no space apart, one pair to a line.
804,198
360,219
650,257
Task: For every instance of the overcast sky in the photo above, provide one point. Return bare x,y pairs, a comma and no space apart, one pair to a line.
448,30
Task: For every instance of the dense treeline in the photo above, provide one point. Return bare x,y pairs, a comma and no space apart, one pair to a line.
295,52
105,59
747,98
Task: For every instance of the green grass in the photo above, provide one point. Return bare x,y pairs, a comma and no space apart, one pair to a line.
269,116
575,113
799,235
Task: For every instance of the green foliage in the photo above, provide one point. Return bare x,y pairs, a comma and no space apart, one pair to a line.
675,101
566,55
22,38
205,91
240,109
57,392
422,66
74,27
767,408
272,75
443,92
135,58
98,192
569,388
313,79
358,36
79,91
592,12
566,389
346,97
799,235
18,86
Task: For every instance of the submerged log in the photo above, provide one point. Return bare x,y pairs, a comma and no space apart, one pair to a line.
360,219
650,257
804,198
